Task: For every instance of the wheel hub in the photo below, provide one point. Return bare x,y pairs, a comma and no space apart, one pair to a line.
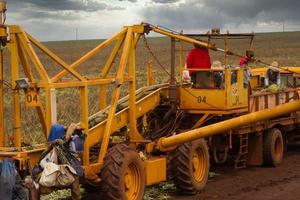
131,182
198,162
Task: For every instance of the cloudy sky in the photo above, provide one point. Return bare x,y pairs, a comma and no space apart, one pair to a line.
59,19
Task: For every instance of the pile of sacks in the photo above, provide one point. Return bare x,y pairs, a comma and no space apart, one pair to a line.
59,166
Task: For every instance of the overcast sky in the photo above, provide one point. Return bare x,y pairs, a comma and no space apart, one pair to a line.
58,19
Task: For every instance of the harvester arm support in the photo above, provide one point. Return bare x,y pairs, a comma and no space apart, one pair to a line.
223,127
208,45
184,38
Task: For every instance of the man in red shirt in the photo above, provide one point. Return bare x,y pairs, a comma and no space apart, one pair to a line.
198,58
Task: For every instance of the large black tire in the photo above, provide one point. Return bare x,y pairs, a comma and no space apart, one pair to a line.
123,176
189,166
273,148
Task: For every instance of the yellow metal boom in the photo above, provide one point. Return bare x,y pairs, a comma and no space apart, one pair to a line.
225,126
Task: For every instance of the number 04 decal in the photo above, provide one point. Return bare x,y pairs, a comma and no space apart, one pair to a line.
201,99
32,99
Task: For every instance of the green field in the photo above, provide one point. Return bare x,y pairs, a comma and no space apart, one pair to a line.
282,47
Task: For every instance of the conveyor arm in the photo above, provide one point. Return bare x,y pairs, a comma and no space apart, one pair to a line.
224,126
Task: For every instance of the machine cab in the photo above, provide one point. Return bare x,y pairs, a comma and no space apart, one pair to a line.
215,91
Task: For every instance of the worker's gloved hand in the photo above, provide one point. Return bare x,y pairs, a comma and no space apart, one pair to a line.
186,76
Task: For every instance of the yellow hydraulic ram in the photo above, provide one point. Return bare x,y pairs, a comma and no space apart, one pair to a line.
224,126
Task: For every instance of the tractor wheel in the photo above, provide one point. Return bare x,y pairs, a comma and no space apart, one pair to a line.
190,166
122,174
273,148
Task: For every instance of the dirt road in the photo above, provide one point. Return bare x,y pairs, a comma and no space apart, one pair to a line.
255,183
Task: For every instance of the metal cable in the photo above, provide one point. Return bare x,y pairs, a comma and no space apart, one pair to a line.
154,56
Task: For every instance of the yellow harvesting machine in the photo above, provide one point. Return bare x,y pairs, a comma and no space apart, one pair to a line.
177,126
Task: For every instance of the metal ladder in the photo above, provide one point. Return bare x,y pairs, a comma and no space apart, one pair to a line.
241,159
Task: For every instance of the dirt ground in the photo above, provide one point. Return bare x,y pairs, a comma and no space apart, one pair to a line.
252,183
255,183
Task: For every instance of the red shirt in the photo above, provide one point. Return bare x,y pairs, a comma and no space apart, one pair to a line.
243,61
198,59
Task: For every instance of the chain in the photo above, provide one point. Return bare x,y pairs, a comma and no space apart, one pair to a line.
154,56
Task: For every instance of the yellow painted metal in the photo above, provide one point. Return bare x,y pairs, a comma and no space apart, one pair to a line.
202,99
181,60
91,82
133,132
199,164
128,116
113,55
106,68
155,170
26,45
255,81
48,115
102,97
136,28
233,96
236,93
218,112
90,54
201,120
181,37
25,63
2,135
3,31
32,156
226,126
143,106
55,58
32,98
42,117
132,182
150,78
14,60
2,5
84,120
226,49
116,94
14,29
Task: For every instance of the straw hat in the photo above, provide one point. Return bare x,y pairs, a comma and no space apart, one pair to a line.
274,66
217,65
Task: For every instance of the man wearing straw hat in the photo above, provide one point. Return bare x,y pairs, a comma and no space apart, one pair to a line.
272,74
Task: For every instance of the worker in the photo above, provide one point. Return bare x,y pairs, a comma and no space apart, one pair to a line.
218,74
63,153
198,58
244,62
272,74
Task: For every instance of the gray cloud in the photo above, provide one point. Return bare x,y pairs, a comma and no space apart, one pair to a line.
165,1
57,17
129,0
204,14
55,10
270,9
63,5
